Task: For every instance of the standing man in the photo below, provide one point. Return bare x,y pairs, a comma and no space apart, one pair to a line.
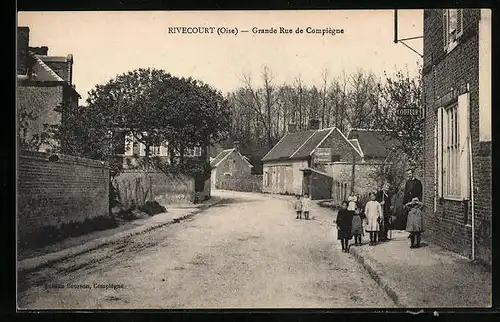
384,198
413,188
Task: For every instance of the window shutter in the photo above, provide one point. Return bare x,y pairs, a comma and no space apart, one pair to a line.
464,137
460,22
439,158
142,150
129,145
445,28
163,150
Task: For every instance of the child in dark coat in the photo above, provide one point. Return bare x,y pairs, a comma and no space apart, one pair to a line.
344,226
357,225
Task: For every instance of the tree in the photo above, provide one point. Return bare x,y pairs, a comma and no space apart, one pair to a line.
400,91
154,107
363,96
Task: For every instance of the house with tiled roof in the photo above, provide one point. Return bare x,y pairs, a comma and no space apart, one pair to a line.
229,165
373,145
299,162
43,83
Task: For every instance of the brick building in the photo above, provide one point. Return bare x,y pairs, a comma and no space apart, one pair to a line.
43,83
457,140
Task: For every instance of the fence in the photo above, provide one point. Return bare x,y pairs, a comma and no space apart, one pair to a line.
339,191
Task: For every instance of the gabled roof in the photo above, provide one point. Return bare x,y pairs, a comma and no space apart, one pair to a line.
224,154
43,71
373,143
311,144
220,157
356,145
288,145
299,145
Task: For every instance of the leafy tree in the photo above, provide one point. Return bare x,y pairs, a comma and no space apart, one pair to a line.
406,132
154,107
402,91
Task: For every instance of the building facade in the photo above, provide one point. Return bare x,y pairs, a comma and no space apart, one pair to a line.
287,166
44,83
229,164
457,139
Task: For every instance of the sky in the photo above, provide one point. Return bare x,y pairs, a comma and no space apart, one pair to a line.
105,44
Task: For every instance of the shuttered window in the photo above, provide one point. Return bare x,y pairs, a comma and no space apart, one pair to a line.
453,26
452,150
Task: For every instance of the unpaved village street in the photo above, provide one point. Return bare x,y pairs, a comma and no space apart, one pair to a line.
247,252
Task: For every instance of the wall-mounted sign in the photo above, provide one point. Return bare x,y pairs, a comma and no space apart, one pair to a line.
409,111
323,155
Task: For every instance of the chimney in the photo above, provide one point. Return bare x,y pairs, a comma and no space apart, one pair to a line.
23,37
314,124
292,127
70,68
44,50
236,145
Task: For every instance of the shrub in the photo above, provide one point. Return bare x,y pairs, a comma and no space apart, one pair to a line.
152,208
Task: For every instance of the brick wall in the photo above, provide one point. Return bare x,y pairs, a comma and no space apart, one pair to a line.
41,101
249,183
135,187
448,226
51,193
23,35
61,68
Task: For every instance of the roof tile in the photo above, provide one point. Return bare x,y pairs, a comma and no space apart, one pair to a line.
288,145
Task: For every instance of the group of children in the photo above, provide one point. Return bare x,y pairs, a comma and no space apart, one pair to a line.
302,206
351,217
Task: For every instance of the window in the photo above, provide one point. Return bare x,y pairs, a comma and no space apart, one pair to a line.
452,27
193,152
452,133
451,152
155,150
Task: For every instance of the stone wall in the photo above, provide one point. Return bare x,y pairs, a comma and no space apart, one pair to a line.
364,175
136,187
249,183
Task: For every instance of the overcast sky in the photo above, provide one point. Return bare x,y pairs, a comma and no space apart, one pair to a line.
105,44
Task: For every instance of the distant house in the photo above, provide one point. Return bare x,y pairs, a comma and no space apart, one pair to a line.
373,145
43,83
229,163
289,166
133,151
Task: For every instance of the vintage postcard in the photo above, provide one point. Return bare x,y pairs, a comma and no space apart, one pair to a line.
254,159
